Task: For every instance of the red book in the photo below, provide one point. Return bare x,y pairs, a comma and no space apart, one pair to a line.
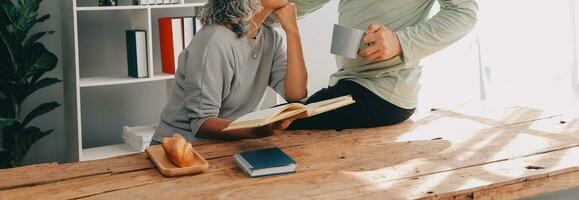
171,38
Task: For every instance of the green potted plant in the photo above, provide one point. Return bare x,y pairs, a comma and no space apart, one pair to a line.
23,63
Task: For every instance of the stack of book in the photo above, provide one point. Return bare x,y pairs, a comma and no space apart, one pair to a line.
139,137
175,34
154,2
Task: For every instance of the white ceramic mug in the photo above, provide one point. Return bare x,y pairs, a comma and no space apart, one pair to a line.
346,41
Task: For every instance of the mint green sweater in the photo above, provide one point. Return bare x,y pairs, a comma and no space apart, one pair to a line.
397,80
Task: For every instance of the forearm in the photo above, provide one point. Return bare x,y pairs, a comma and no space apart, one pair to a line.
213,127
295,83
452,22
305,7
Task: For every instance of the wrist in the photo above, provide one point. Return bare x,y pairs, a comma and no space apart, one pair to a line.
292,32
398,45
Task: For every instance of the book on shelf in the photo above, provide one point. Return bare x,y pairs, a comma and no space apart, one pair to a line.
137,53
188,30
154,2
198,24
140,2
175,34
264,162
171,38
288,111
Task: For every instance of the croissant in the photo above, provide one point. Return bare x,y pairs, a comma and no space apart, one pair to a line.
179,151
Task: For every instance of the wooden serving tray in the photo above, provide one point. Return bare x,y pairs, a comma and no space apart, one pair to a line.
167,168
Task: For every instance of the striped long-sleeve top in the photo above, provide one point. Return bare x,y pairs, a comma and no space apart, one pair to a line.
220,75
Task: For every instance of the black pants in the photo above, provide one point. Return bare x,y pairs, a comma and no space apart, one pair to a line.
369,110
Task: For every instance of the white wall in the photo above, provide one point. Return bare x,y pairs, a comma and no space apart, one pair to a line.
316,33
52,147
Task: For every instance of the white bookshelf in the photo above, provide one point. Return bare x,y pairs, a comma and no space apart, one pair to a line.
83,73
118,80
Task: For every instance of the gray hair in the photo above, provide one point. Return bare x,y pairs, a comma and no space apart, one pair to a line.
236,13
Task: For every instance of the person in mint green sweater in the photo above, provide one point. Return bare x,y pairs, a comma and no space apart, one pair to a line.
383,79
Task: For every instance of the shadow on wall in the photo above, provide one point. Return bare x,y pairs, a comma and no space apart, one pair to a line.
316,34
51,148
1,128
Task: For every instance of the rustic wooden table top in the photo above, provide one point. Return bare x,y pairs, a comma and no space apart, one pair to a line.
468,152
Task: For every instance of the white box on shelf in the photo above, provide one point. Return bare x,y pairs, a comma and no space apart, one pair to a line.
139,137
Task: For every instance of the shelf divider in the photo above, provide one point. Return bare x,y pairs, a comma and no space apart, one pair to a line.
107,151
119,80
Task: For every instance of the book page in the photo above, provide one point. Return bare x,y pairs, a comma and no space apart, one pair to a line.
327,105
267,116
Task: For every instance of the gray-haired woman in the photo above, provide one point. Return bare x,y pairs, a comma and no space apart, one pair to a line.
224,71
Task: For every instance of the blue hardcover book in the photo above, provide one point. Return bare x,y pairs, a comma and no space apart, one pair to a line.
264,162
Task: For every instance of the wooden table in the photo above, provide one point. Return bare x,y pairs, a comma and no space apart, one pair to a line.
466,152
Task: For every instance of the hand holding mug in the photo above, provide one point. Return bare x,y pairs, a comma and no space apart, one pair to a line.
382,43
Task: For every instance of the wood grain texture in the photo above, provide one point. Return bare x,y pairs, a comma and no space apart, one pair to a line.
553,182
410,179
224,173
48,173
445,152
213,149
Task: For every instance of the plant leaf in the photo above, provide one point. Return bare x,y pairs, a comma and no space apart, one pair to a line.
34,38
45,82
23,62
43,18
17,92
7,122
29,136
40,110
8,14
5,159
11,134
18,140
27,18
39,61
6,108
10,54
23,91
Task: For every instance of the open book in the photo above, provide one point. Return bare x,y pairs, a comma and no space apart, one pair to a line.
292,110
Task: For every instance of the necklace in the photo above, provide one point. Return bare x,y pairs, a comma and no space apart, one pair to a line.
253,50
255,43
